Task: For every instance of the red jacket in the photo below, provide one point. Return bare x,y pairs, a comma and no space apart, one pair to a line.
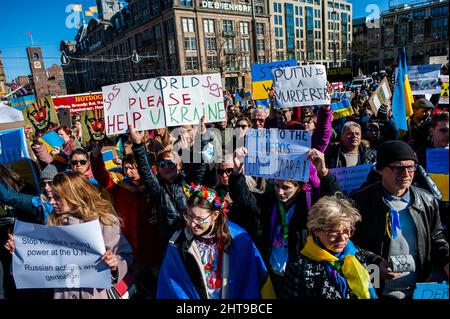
135,210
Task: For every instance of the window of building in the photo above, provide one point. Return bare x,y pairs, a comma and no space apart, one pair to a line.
279,8
188,25
246,62
212,62
260,45
227,25
186,3
190,44
35,56
403,29
259,9
230,62
245,45
439,11
191,63
275,7
210,43
157,31
243,28
228,44
171,44
208,25
260,28
418,15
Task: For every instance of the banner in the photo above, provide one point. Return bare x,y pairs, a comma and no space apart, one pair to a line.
342,74
431,290
79,102
278,154
13,146
424,79
41,116
380,96
137,103
262,77
444,90
59,256
303,85
22,102
351,178
188,98
437,169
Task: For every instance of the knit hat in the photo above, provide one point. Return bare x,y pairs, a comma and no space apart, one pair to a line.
393,151
48,173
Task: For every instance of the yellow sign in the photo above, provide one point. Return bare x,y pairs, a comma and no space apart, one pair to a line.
261,89
444,90
441,181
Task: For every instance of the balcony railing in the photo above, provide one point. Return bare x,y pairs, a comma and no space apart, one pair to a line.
229,50
227,33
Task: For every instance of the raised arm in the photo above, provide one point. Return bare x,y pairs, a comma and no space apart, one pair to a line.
99,169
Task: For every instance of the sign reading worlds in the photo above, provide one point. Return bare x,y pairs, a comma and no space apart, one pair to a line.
137,103
262,77
188,98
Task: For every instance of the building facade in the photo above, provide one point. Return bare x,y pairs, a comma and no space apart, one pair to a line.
365,46
45,82
178,37
421,28
3,89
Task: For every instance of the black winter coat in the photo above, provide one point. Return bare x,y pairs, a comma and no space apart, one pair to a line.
335,157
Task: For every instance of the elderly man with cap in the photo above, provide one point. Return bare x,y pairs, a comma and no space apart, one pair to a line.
420,122
400,223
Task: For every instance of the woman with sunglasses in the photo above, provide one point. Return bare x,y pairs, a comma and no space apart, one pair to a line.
330,266
77,201
211,258
281,212
165,187
79,162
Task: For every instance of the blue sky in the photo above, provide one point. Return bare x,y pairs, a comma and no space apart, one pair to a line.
46,20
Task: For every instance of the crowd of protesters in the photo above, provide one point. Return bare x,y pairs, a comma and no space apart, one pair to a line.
203,229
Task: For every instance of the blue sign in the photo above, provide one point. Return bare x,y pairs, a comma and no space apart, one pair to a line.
262,71
13,146
431,290
437,161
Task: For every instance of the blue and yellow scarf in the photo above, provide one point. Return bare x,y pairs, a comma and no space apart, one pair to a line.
355,276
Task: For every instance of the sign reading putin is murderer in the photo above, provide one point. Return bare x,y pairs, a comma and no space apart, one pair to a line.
188,98
300,86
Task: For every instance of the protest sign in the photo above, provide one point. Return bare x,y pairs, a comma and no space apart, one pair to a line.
262,77
431,290
424,79
278,154
380,96
188,98
59,256
41,116
444,90
77,103
341,74
137,103
13,146
437,169
51,140
351,178
303,85
22,102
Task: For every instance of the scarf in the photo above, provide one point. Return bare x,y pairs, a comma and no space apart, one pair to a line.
354,274
392,223
277,239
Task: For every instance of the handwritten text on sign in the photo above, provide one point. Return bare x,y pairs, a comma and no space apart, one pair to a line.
351,178
188,98
278,154
59,256
262,77
300,86
137,103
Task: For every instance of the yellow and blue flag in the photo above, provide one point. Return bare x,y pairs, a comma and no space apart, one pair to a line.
342,109
403,99
119,146
51,140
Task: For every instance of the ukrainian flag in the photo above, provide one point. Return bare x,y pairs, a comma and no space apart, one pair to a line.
403,99
108,157
342,109
51,140
119,146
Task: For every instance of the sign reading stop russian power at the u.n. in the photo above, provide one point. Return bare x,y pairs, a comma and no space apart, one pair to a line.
262,77
278,154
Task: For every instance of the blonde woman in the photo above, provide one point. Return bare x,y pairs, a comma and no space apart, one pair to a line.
76,201
330,266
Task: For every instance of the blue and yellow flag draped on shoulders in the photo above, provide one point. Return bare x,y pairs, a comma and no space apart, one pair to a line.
402,99
247,275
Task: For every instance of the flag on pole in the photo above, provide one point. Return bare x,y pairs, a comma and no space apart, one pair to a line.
119,146
238,96
77,8
402,99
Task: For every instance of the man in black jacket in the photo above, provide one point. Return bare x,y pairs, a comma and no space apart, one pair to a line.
400,223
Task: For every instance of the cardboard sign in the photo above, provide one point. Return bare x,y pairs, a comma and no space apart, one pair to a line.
188,98
444,90
351,178
41,116
262,77
59,256
303,85
13,146
380,96
278,154
137,103
79,102
431,290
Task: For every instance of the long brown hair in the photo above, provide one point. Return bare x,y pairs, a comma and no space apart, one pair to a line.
83,200
221,227
11,178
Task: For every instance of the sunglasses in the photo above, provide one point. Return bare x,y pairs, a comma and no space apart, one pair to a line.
221,171
45,183
166,164
81,162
